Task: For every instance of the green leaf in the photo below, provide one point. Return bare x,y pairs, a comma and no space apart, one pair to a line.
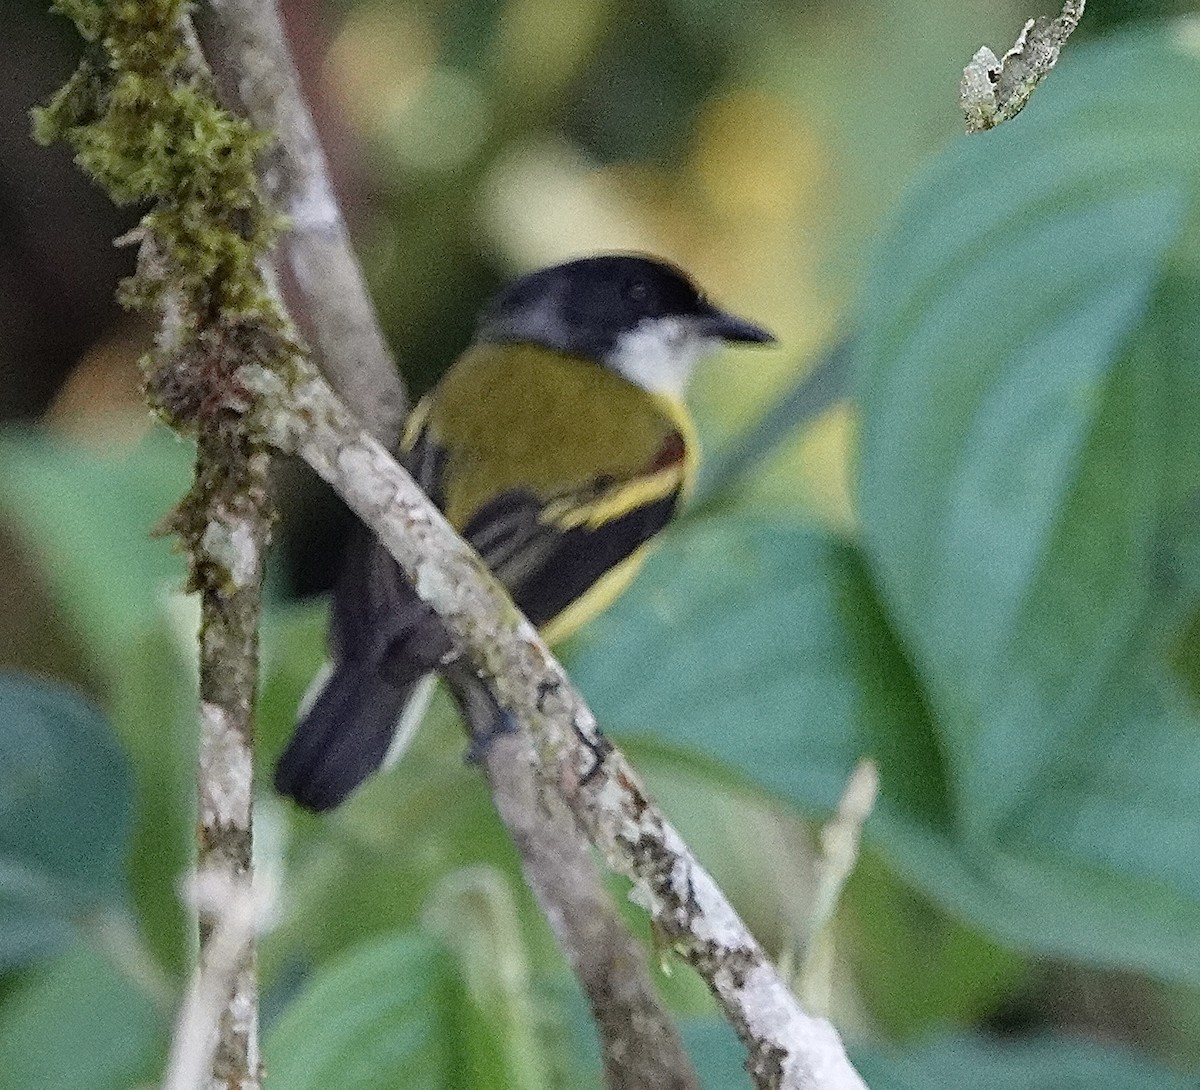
90,515
1009,460
761,644
77,1023
968,496
65,815
1029,466
385,1016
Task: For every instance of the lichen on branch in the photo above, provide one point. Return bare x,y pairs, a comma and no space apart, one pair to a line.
994,90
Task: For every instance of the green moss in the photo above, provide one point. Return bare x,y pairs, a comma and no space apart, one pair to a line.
85,14
145,124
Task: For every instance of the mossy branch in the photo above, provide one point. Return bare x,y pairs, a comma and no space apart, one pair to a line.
143,119
144,123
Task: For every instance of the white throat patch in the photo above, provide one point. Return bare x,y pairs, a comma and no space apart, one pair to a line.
660,353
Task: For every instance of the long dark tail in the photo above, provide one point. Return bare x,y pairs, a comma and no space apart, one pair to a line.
343,737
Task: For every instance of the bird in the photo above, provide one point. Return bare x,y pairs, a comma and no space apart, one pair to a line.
558,445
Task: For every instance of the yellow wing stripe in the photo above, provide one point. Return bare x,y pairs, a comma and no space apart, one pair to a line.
584,444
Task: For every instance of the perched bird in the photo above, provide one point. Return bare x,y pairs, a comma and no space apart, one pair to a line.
557,445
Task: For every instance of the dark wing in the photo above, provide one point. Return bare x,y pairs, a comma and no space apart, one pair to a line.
547,565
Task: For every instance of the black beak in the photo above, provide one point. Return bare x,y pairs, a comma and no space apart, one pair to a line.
729,327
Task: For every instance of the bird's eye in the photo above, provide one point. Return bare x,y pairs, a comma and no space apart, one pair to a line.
637,291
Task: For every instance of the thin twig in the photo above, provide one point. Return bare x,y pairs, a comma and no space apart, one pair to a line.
248,50
788,1048
839,852
994,90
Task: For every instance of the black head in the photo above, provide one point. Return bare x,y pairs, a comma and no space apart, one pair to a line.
604,307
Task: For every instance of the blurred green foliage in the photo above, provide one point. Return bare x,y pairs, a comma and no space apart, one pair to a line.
1003,615
65,809
1028,463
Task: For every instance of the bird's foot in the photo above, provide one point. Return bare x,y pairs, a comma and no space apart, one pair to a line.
502,723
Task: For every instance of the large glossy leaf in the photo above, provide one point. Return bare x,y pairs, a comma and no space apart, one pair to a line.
1029,464
65,815
955,978
1012,441
87,516
77,1022
762,645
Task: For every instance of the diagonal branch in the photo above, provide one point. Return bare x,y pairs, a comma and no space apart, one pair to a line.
788,1048
640,1044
